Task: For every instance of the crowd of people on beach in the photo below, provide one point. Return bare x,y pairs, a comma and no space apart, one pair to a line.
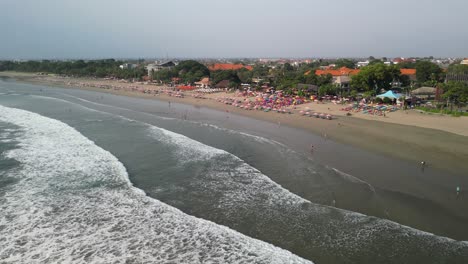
369,108
250,100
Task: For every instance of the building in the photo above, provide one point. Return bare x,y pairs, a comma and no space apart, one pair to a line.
464,61
400,60
362,63
425,92
343,82
154,67
203,83
411,73
228,66
343,71
222,84
128,66
341,77
457,77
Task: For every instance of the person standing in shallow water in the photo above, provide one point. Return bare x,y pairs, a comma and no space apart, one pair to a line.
423,165
458,191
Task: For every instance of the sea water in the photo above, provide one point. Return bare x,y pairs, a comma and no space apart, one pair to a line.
68,195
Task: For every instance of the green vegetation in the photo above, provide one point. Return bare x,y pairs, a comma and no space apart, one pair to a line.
370,80
456,92
188,71
79,68
458,69
375,77
327,89
230,75
344,63
441,111
427,73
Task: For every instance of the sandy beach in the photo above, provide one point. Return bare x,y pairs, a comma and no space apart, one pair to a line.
438,140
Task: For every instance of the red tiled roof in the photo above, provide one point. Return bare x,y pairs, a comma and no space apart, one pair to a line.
408,71
227,66
340,72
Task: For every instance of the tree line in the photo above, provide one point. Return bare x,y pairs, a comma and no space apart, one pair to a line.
284,77
78,68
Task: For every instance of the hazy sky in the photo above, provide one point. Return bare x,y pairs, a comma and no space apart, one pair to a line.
228,28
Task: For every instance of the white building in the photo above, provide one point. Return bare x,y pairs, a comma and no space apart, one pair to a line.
362,63
154,67
128,66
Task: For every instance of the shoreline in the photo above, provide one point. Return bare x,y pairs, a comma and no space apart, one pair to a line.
383,135
400,192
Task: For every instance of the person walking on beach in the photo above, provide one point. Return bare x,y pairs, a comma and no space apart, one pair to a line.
311,149
169,103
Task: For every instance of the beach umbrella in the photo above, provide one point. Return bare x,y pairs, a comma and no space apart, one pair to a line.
389,94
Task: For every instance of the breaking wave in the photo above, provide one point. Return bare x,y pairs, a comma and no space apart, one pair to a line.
73,202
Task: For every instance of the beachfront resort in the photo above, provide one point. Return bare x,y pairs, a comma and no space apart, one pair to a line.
371,86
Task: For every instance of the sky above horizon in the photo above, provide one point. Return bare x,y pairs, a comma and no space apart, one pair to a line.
61,29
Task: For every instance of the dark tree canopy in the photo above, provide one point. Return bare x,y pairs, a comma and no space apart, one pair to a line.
188,71
458,69
191,71
327,89
375,77
456,92
345,63
229,75
428,71
91,68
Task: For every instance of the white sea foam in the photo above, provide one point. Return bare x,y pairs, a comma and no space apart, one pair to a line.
352,178
116,107
74,203
242,185
255,137
246,185
230,131
244,181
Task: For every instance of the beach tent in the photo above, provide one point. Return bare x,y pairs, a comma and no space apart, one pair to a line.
389,94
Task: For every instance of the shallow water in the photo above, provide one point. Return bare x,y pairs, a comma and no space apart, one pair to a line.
206,169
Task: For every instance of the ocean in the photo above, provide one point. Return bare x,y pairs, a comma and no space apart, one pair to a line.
87,177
